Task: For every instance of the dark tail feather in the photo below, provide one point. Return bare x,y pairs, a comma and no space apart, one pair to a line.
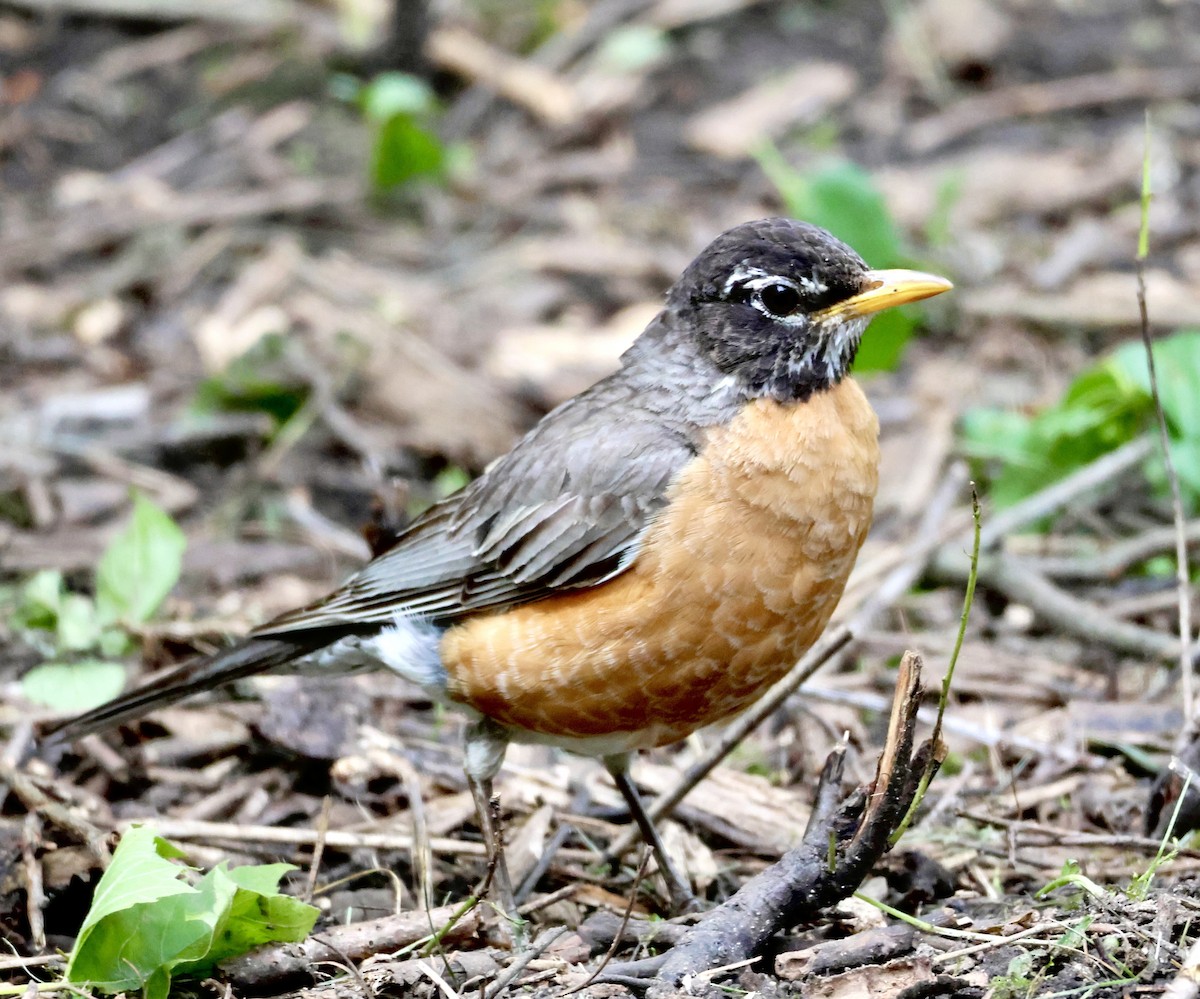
248,657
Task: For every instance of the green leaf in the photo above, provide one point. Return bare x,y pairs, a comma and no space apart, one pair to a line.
996,434
141,565
113,642
392,94
146,925
404,151
1177,364
41,597
258,915
1104,407
633,47
883,343
139,874
258,381
73,687
843,198
1185,455
78,626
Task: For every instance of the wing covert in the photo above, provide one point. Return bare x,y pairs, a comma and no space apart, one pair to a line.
566,508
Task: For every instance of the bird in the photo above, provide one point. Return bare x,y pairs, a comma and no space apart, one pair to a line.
650,557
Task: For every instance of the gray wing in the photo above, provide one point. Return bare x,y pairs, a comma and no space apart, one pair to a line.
566,508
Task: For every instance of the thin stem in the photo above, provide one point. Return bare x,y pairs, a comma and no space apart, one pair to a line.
944,695
1182,575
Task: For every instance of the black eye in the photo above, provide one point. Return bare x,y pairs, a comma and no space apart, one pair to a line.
779,299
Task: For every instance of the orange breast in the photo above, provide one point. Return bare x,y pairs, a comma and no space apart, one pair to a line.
737,578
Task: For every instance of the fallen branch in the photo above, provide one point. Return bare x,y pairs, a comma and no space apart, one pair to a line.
1145,86
538,90
1055,606
185,830
354,942
844,839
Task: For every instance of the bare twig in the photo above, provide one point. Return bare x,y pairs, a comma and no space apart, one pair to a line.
1111,560
251,13
1017,581
335,839
616,941
843,839
351,943
1103,473
1046,834
521,962
533,87
1033,99
314,866
422,853
56,813
1181,556
35,895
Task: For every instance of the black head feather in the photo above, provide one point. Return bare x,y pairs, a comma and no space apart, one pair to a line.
749,301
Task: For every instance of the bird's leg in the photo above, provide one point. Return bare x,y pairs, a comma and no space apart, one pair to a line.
485,746
682,899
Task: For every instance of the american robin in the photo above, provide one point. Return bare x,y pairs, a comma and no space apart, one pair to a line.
652,555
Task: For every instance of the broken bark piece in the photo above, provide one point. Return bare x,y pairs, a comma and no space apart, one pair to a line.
845,837
766,111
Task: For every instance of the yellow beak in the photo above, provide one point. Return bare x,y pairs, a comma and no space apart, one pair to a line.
885,290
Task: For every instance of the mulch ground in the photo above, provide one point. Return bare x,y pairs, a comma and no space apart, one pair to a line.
173,189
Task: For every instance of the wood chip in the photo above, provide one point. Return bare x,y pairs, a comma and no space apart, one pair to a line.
801,97
767,818
532,87
1096,301
996,183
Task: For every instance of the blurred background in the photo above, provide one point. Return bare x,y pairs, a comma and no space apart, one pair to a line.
274,275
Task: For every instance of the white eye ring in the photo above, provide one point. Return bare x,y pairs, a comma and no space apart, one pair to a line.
775,297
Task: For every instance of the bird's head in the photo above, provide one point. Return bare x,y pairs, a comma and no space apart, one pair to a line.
780,306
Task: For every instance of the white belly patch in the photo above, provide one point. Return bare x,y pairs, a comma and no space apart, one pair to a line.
409,648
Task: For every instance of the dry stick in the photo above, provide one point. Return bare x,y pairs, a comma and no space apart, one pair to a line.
335,839
1103,472
1051,97
833,644
1113,560
56,814
840,845
21,963
542,93
314,866
1181,556
422,858
1058,836
251,13
509,975
1022,583
1017,581
616,941
438,980
350,943
35,895
868,700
